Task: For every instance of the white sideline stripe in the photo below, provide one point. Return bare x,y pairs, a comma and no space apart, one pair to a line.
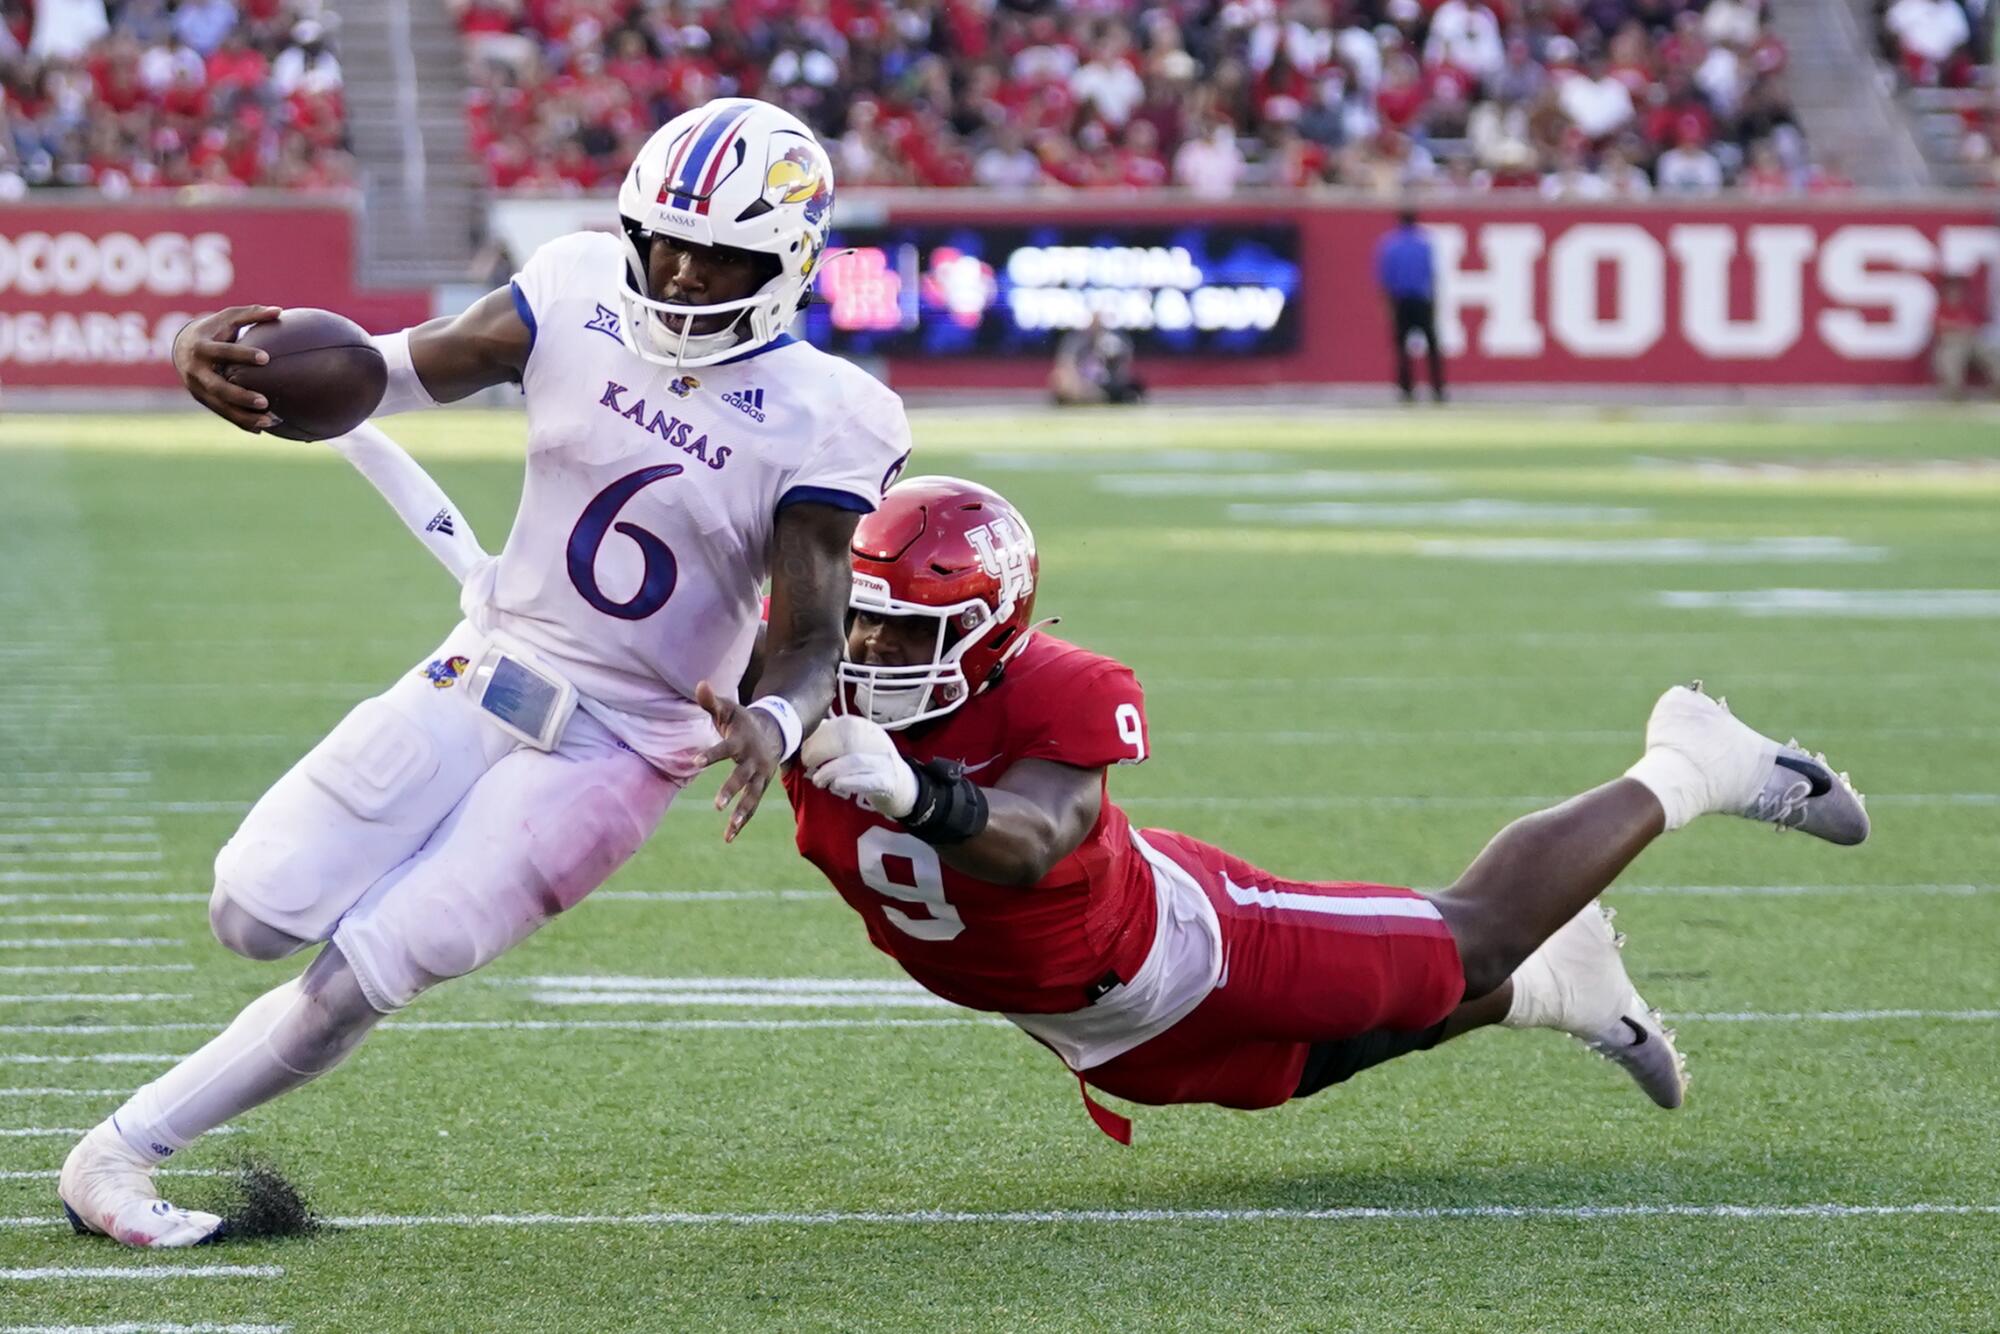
1330,905
707,895
1800,891
78,942
1016,1217
94,1058
1894,603
82,919
88,855
760,999
96,997
150,1272
614,982
81,877
63,969
145,1327
70,896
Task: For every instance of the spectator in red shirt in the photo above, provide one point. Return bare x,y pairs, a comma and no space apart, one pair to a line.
1957,342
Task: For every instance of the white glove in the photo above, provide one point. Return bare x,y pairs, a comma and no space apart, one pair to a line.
854,758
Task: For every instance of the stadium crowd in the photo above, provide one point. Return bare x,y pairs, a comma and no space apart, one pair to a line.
1574,98
125,95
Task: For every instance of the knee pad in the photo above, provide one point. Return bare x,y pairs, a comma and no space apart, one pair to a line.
240,932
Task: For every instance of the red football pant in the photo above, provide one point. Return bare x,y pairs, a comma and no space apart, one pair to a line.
1302,963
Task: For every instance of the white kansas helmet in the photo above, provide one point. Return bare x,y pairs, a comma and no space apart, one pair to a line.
737,172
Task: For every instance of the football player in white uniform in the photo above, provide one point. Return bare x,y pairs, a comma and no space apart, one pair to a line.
681,448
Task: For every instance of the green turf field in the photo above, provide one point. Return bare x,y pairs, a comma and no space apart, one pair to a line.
1356,669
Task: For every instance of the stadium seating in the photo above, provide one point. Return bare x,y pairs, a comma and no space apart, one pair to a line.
1586,99
1941,54
142,95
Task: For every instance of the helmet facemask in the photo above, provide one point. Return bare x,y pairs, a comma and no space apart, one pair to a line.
648,326
903,696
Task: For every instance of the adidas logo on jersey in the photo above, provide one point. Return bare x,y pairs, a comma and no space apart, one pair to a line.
441,522
750,402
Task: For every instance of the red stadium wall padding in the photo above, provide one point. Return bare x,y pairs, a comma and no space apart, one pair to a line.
1536,293
91,296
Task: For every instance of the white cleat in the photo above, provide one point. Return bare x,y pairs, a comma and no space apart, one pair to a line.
1576,983
1750,775
107,1187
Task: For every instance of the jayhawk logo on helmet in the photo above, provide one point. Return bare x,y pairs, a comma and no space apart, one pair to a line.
796,178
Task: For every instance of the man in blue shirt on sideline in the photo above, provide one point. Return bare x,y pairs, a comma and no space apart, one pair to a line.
1405,268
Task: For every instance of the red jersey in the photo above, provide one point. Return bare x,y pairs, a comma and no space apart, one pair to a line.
1048,949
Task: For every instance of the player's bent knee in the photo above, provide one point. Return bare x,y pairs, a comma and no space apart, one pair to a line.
241,933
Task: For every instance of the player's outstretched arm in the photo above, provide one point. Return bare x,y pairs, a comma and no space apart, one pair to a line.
810,581
1012,833
455,355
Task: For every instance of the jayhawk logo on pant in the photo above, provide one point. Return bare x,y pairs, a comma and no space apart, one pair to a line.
442,673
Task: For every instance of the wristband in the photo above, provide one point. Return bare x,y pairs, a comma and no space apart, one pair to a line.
950,807
780,711
404,392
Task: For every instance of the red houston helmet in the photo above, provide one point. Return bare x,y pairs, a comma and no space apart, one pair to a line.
955,552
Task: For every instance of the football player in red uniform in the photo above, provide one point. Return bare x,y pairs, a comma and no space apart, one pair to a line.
959,804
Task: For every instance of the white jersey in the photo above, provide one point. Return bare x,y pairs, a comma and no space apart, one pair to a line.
638,558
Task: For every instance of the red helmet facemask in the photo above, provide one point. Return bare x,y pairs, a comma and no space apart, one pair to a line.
954,552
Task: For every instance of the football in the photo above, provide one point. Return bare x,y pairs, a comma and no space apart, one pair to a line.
324,376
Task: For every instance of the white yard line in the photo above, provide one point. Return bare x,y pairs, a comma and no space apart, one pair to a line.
24,776
84,919
92,1058
145,1327
1313,801
753,999
81,877
89,855
9,825
72,1132
1062,1217
95,969
70,896
707,895
95,997
81,942
51,1173
142,1274
1835,1016
62,1093
622,982
59,839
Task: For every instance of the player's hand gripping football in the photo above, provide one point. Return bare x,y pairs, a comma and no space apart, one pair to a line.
750,737
204,350
854,758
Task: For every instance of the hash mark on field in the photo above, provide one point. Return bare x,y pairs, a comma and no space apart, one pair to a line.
1800,891
51,1173
89,855
707,895
59,1272
1451,513
751,999
1895,603
1837,1016
37,840
63,1093
70,896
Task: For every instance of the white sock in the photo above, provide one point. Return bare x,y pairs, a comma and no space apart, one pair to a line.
1534,993
1681,787
239,1069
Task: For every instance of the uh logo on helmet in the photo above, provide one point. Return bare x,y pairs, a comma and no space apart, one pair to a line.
736,172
